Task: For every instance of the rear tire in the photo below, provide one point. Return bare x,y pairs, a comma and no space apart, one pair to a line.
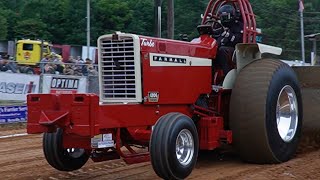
62,159
266,112
174,146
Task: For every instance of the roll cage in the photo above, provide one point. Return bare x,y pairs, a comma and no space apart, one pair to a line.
245,15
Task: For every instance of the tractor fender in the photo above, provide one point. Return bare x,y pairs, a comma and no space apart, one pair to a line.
245,54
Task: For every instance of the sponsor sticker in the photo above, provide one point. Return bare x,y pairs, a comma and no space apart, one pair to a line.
107,137
102,141
153,96
105,144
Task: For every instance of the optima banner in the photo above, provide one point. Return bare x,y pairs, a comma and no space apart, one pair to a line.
16,86
58,84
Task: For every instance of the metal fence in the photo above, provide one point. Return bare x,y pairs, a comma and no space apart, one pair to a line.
80,69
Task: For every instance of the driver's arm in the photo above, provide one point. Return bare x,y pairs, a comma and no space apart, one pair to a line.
233,36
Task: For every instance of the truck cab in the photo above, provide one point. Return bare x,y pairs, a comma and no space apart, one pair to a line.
30,52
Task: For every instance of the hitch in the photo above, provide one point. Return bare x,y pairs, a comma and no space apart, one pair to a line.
50,118
74,113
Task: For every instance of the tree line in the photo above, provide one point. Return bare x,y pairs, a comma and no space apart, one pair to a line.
64,21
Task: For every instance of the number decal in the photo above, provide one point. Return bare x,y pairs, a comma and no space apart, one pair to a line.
153,96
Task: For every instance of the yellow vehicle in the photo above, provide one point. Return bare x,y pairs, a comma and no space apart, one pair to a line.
30,52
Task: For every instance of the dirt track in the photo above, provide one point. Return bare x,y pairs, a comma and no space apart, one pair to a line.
22,158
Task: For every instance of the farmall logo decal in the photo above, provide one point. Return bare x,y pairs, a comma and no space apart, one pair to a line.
170,59
146,42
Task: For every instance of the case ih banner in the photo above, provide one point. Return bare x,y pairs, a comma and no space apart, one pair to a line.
17,86
13,114
64,84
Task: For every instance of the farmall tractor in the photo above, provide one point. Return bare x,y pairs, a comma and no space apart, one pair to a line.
151,103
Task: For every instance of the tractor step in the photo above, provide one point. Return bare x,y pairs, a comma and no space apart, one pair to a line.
97,156
212,133
137,158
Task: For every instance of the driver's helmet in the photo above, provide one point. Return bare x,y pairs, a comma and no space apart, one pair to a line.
227,14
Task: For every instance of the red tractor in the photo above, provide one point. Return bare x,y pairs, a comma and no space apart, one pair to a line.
149,98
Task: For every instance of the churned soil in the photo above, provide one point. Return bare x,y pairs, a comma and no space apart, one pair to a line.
22,158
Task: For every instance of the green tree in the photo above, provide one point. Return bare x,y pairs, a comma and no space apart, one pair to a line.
188,17
3,28
113,15
31,28
73,23
142,17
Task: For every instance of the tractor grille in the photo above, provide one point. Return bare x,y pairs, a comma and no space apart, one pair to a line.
118,73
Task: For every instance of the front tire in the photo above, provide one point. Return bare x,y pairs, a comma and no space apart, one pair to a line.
62,159
266,112
174,146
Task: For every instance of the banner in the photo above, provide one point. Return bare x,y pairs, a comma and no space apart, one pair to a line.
59,84
15,87
92,53
13,114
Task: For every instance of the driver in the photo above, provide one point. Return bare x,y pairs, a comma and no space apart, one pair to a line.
227,36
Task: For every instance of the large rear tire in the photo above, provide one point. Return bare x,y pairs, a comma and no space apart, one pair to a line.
266,112
174,146
62,159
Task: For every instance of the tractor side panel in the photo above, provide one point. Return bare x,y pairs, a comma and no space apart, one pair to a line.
175,85
176,72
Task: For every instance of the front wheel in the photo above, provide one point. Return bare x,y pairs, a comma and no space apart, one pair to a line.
62,159
174,146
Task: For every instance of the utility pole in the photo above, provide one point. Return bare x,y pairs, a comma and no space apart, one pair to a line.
88,28
301,8
170,19
157,15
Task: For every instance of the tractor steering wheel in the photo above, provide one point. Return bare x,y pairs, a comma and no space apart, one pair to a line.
211,19
217,27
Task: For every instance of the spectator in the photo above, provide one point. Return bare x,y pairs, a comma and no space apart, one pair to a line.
69,67
3,66
80,60
71,59
92,71
55,57
58,63
85,67
50,67
78,71
7,66
79,66
43,63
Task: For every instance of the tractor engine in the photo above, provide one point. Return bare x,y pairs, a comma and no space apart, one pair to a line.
136,69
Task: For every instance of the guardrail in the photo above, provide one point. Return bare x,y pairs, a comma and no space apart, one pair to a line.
54,67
